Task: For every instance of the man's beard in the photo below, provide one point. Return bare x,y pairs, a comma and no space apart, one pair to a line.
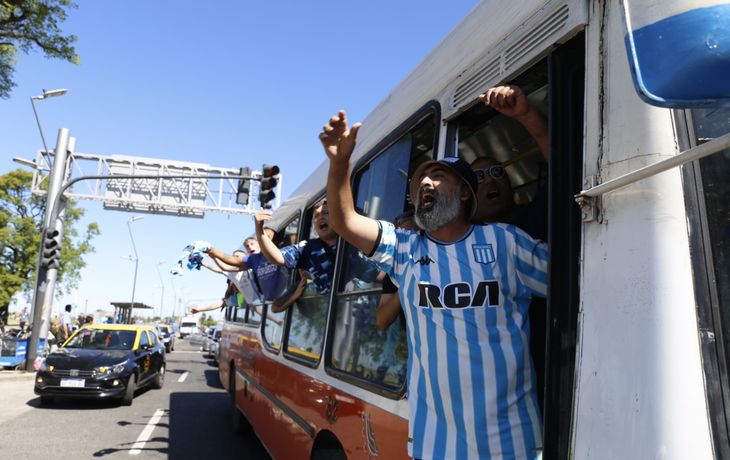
446,208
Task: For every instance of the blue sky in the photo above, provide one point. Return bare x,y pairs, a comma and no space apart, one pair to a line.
228,83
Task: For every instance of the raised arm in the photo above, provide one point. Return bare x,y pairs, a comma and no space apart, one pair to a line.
213,306
509,100
212,267
339,141
224,267
268,248
235,260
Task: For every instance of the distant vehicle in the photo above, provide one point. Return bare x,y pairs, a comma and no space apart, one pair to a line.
212,340
103,361
188,326
168,336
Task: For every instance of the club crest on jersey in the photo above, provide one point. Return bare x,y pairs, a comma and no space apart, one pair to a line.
483,253
458,295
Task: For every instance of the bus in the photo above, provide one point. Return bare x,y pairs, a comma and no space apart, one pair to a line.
630,348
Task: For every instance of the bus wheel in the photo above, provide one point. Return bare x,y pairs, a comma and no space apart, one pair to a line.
240,424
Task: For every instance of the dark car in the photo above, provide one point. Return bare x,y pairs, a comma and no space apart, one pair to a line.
103,361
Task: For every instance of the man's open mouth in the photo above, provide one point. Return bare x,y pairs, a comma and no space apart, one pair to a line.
427,200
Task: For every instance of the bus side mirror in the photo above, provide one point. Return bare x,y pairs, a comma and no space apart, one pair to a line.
679,54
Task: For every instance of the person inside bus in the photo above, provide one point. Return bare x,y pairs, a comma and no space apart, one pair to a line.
314,258
465,290
495,197
269,280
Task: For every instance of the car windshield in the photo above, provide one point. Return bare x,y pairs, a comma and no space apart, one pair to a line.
102,339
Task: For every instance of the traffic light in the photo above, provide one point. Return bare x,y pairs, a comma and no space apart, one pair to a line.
268,182
244,186
51,249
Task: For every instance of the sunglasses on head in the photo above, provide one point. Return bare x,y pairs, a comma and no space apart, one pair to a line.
496,171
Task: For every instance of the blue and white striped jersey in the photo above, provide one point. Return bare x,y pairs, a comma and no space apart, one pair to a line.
470,375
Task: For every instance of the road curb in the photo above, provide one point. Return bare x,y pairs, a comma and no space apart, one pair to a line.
15,375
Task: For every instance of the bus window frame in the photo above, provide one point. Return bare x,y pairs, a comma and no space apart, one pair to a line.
709,317
432,109
305,232
265,313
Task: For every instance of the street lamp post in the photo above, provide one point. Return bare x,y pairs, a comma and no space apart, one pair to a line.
136,264
45,95
46,275
162,286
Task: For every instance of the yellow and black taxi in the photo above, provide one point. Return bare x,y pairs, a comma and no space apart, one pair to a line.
103,361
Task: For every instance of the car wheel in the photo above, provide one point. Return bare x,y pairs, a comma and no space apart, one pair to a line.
129,393
46,400
159,378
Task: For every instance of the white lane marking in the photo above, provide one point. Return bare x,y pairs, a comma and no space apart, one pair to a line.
183,376
146,433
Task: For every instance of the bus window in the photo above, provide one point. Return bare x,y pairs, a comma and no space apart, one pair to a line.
359,348
308,314
239,304
254,314
273,328
484,132
713,263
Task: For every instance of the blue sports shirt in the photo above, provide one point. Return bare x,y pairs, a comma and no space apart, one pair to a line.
471,379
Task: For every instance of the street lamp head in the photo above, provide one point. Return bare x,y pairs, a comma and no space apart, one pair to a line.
26,162
136,218
50,93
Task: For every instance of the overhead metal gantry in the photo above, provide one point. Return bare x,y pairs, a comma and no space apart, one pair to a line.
180,196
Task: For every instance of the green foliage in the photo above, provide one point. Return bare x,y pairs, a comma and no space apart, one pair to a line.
21,218
208,320
27,24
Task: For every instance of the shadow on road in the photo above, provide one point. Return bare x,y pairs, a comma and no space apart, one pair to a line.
200,427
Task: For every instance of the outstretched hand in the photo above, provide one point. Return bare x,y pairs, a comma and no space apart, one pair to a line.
508,100
337,139
260,217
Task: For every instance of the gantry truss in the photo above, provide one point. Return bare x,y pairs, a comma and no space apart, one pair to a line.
207,188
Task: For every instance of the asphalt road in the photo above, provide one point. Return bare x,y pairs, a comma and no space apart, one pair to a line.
189,418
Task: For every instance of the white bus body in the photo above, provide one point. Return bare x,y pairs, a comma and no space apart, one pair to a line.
634,353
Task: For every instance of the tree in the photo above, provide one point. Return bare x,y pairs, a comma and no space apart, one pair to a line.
25,24
21,220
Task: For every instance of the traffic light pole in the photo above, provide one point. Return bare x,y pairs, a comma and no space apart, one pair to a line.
46,276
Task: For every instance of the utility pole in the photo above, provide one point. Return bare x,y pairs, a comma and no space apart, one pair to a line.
46,275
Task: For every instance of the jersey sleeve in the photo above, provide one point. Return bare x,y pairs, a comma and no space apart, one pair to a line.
384,255
292,253
531,262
